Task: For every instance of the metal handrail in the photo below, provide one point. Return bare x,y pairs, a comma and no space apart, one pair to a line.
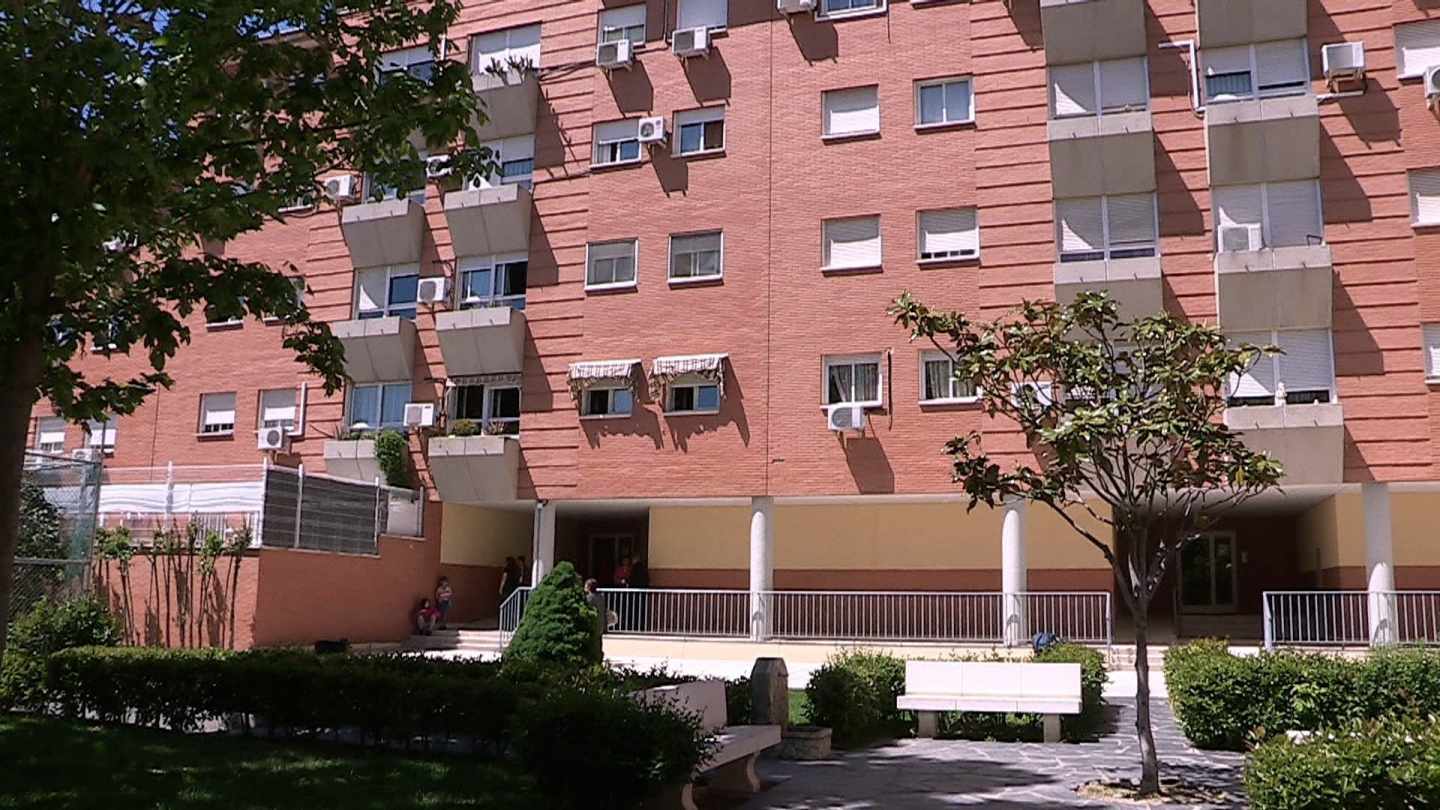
1350,618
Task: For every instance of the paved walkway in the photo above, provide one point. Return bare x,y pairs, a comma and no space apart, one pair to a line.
936,774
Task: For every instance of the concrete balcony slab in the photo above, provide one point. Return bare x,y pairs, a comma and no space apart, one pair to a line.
378,349
1263,140
510,101
384,232
1308,439
1275,288
474,469
1135,284
485,221
1241,22
484,340
1094,155
353,459
1091,30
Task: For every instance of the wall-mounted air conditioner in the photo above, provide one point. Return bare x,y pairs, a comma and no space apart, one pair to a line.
1432,85
796,6
616,54
652,130
432,290
1343,61
1241,238
691,42
419,414
845,418
344,188
272,438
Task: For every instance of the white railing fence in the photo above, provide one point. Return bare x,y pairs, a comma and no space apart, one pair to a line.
511,611
1350,618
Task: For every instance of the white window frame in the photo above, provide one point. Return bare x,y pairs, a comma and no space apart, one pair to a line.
350,421
487,408
1412,71
869,358
1255,91
591,259
693,384
291,425
616,144
466,265
609,413
943,82
1265,235
719,259
391,271
824,11
1278,359
601,29
1434,176
701,117
826,134
1430,345
101,434
954,397
826,260
724,8
1100,90
45,427
1105,226
206,406
920,236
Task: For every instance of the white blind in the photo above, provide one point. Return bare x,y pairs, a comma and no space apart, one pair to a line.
1283,62
1227,60
695,243
621,18
370,289
702,13
1079,224
1072,90
1132,219
1305,365
1237,205
1425,196
616,131
948,232
219,409
715,113
1294,210
852,111
520,147
102,434
50,432
853,242
1259,380
1417,46
502,46
277,405
611,250
1430,334
1122,84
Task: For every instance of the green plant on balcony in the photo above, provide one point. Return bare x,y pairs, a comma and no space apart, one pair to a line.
464,427
392,453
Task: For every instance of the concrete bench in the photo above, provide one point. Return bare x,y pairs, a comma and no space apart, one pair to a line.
732,766
1049,690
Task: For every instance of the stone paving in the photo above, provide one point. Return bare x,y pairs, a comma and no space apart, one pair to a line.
935,774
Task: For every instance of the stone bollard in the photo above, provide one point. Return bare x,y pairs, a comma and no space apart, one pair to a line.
770,693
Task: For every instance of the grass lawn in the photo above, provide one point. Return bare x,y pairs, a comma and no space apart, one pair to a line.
56,764
799,707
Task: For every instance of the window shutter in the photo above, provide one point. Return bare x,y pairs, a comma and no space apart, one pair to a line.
1306,363
948,232
1122,84
502,46
1259,380
1430,334
1294,210
1236,205
616,131
520,147
219,409
852,111
1284,62
1079,227
1227,60
1132,219
1417,46
852,242
50,432
370,289
715,113
622,18
611,250
1072,88
277,405
1425,196
702,13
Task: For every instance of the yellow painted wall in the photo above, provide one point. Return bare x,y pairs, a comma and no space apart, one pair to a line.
1336,527
1415,528
474,535
705,537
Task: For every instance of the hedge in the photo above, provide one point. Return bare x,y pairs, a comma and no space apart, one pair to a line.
1366,764
47,628
1226,701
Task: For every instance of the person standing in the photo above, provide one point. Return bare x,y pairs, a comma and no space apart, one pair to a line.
524,572
509,579
444,596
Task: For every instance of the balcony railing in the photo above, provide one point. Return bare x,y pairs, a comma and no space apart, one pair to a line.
1351,618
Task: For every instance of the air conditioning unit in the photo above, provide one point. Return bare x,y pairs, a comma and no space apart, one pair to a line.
652,130
843,417
272,438
433,290
1240,238
796,6
1343,60
1432,84
616,54
85,454
345,188
437,167
419,414
691,42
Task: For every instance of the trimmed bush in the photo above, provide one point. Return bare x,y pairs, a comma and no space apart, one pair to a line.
558,628
50,627
1224,701
1092,687
854,694
1367,764
739,702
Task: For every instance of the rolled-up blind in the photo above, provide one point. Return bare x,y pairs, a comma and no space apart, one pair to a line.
1079,225
1417,46
1281,63
853,242
1132,219
1425,196
701,13
852,111
1306,365
1259,379
1122,84
1430,334
1072,90
948,233
1294,210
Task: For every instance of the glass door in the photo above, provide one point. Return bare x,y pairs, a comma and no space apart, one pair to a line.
1207,574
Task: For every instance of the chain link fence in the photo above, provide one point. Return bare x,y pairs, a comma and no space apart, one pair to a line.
59,505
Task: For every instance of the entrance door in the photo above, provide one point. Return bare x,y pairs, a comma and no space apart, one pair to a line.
606,552
1207,574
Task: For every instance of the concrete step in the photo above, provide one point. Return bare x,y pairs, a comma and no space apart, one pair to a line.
464,640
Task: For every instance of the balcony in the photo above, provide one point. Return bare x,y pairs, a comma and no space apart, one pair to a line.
1275,288
1263,140
485,340
1092,30
353,459
484,221
510,100
474,469
384,232
1135,284
1308,439
1109,154
1240,22
378,349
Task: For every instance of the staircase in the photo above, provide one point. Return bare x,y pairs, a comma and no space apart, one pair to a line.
1122,656
464,641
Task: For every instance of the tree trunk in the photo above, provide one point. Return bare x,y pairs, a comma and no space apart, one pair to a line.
1149,761
19,376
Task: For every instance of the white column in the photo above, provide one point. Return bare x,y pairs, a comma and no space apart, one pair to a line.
1379,563
762,566
1013,574
544,543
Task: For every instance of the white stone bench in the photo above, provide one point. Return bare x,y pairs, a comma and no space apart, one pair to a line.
1049,690
732,766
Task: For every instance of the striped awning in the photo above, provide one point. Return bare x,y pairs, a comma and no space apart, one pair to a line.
498,379
596,373
708,367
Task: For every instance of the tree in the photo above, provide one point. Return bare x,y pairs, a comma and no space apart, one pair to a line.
559,626
1129,414
136,132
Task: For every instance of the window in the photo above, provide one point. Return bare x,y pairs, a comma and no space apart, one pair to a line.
610,264
493,281
616,142
100,435
1430,335
50,435
938,382
1306,370
1280,68
1425,196
411,185
851,243
1097,88
845,8
943,101
853,380
298,282
702,14
419,62
700,132
380,405
1417,46
854,111
695,257
278,409
500,48
602,402
693,397
1113,227
217,414
495,407
626,22
1280,214
516,160
387,291
948,234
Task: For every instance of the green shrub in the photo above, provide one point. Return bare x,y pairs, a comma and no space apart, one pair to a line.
50,627
1366,764
464,427
392,454
1092,688
1223,700
558,626
854,693
739,702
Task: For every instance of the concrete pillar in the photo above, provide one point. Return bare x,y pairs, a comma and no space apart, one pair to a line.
1379,563
762,566
543,548
1013,570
